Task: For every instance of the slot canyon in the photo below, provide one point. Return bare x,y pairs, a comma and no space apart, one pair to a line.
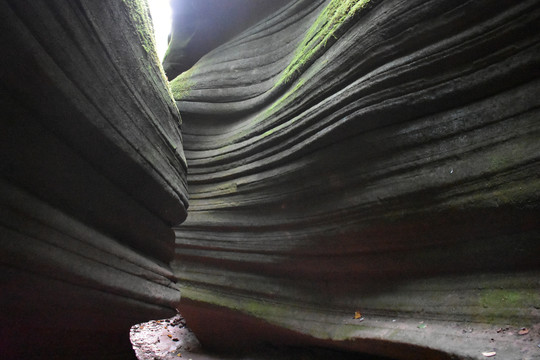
359,177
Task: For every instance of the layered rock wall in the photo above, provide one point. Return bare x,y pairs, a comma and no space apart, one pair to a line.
379,157
93,177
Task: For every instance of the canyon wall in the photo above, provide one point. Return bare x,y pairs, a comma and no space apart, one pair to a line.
378,157
93,177
363,175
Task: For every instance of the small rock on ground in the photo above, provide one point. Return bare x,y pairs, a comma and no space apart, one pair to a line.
164,339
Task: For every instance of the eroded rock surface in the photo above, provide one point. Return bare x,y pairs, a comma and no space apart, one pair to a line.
379,157
93,176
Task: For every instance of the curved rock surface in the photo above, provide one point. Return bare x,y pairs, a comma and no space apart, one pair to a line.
93,177
377,157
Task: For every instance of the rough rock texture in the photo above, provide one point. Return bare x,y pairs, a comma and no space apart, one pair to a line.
165,339
379,157
93,176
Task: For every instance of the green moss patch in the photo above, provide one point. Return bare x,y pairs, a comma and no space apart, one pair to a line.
140,14
182,84
281,101
143,28
328,22
508,305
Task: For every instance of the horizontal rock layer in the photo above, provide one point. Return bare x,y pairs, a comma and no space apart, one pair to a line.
379,157
93,176
69,291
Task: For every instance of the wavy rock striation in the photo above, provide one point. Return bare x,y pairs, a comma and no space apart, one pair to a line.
93,177
379,157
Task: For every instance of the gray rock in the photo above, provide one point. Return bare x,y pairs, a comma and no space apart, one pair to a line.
93,176
389,168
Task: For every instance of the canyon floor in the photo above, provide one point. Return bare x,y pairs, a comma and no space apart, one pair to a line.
171,339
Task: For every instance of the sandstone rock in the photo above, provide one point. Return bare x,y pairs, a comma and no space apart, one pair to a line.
93,176
385,161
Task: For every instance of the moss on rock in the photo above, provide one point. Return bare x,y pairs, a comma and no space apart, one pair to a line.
507,305
140,14
325,27
182,84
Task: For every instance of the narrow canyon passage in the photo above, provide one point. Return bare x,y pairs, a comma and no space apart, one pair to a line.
298,179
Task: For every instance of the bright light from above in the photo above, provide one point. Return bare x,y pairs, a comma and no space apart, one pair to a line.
162,19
